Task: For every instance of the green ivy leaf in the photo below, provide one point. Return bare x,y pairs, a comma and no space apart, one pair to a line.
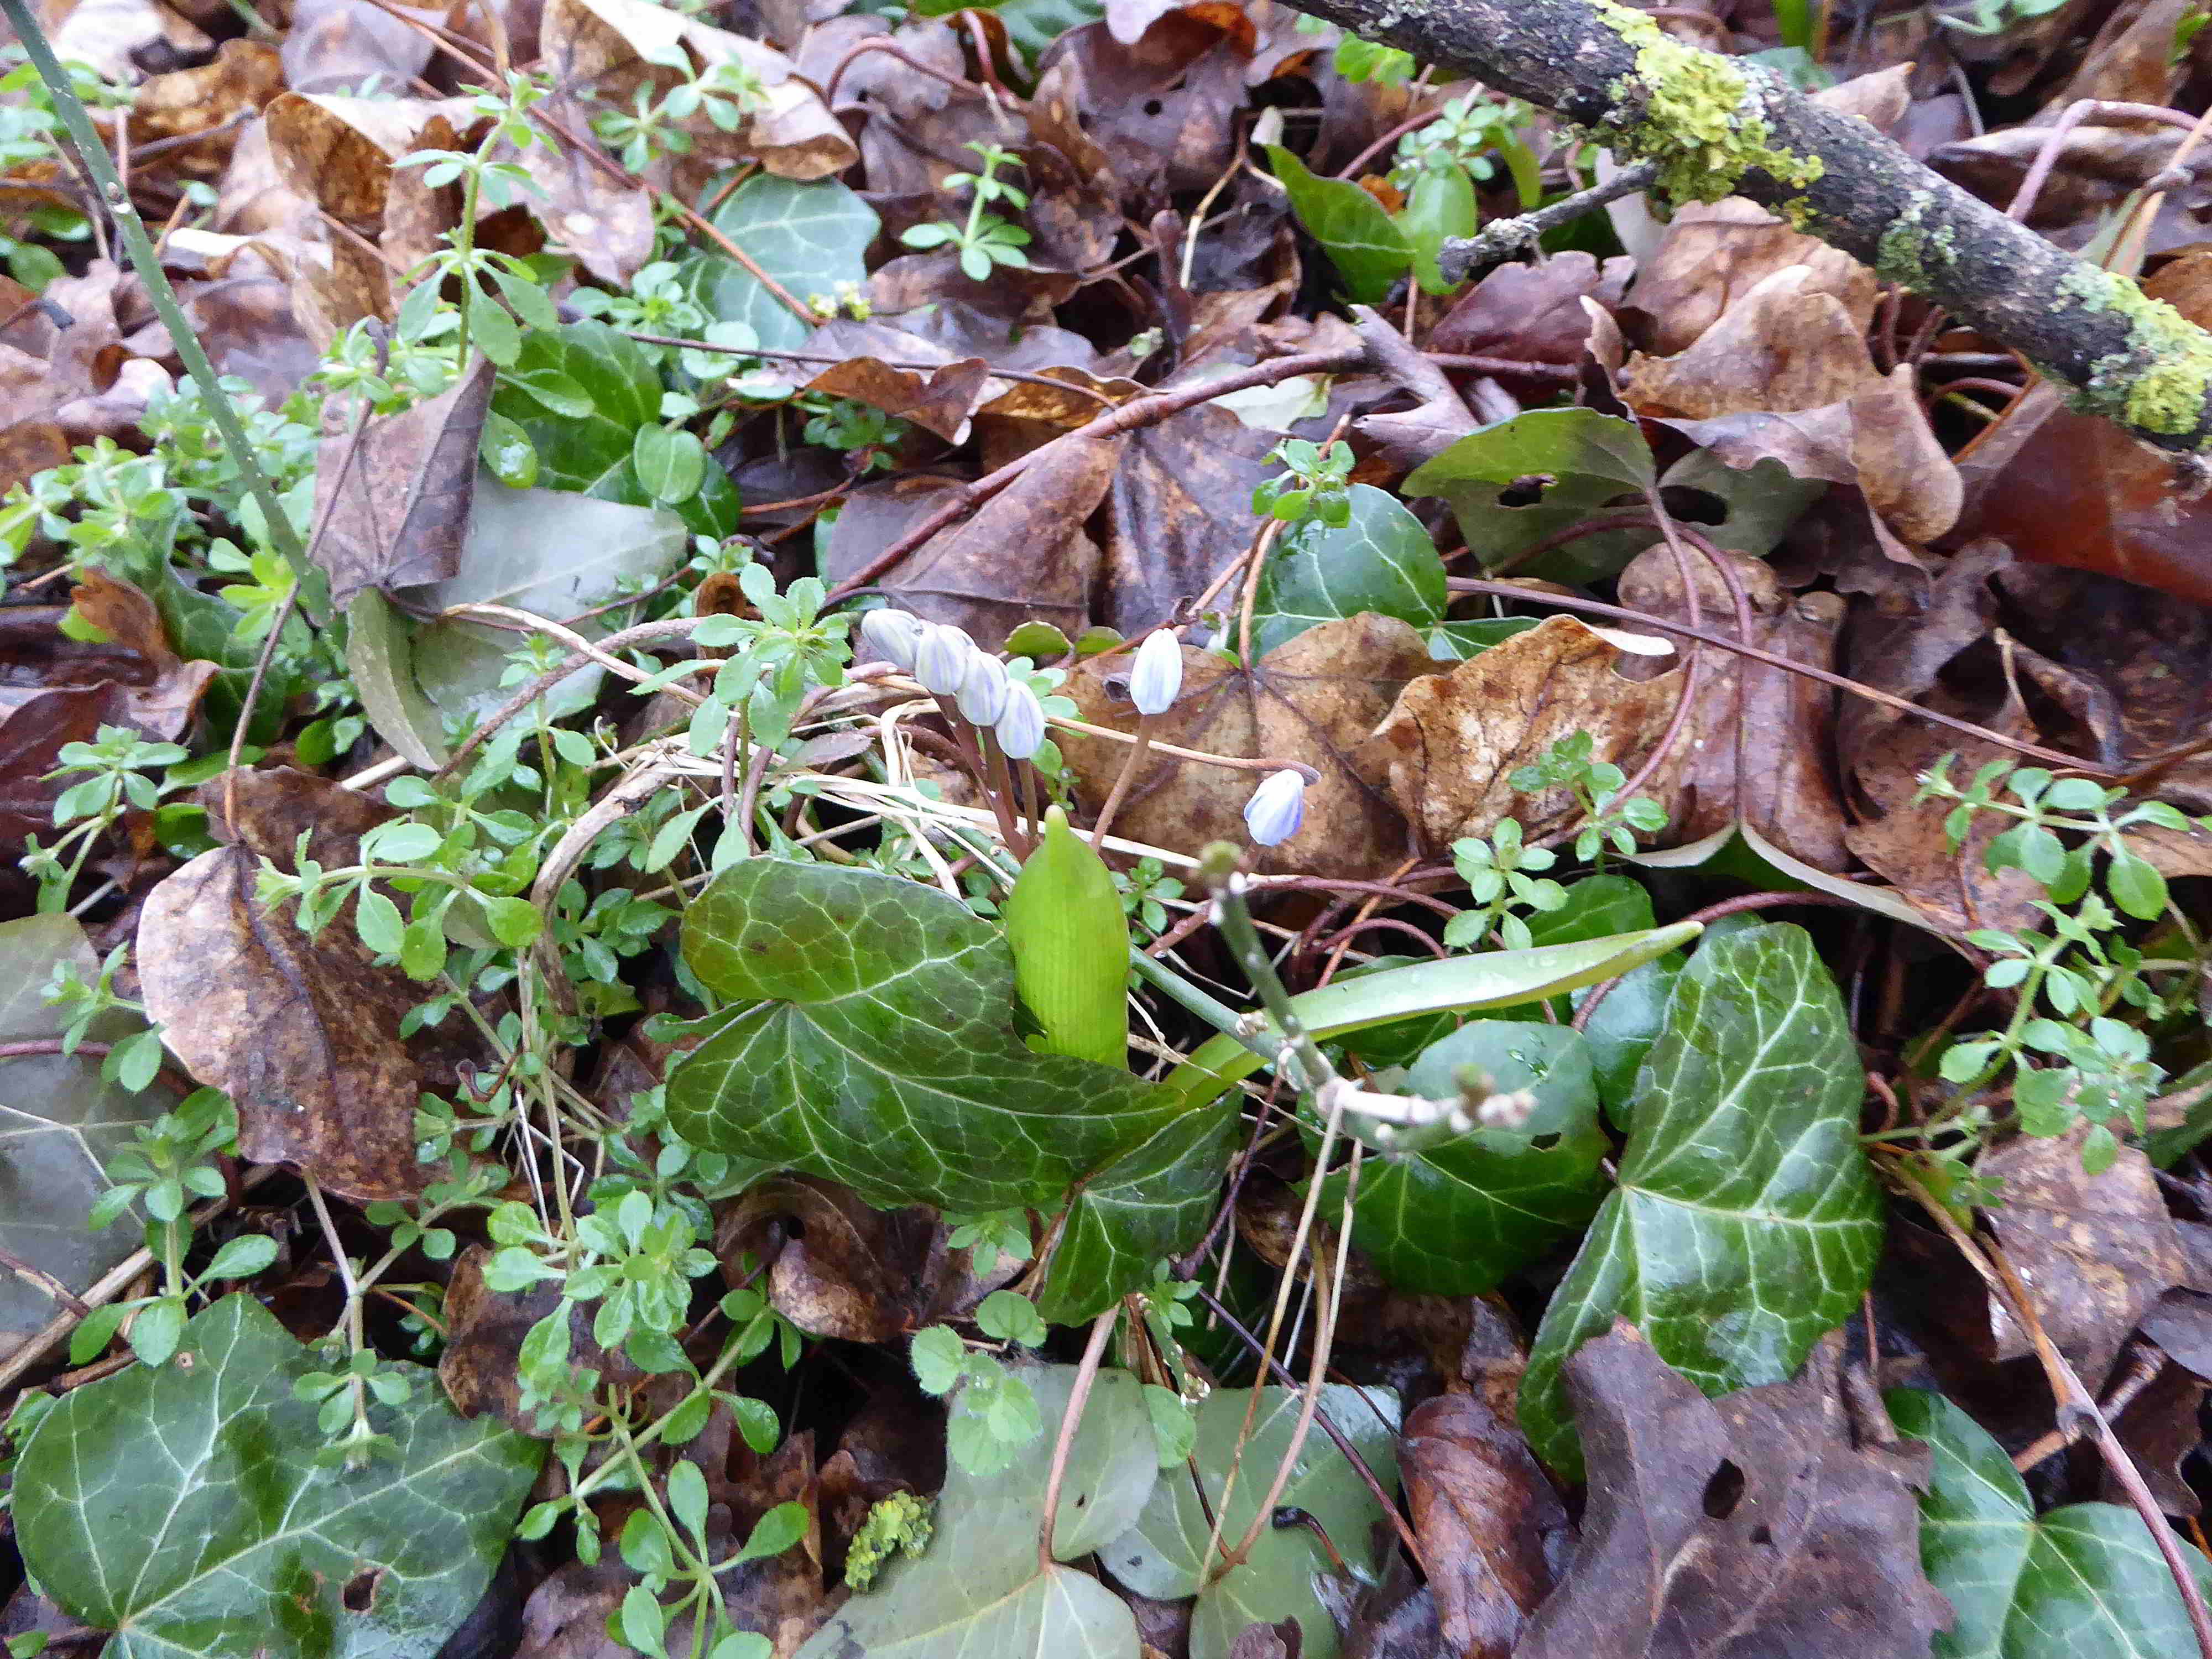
185,1510
1152,1201
1745,1223
1459,1218
2083,1582
1382,561
590,454
880,1048
810,237
1366,245
1164,1555
1594,462
979,1588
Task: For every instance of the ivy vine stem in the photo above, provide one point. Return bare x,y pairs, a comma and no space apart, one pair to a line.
138,247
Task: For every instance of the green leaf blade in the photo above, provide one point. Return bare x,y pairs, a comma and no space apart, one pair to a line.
881,1050
1745,1223
184,1508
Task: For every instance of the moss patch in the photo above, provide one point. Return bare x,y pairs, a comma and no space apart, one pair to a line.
1699,121
2160,381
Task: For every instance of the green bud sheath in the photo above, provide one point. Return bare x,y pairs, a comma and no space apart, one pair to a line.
1071,945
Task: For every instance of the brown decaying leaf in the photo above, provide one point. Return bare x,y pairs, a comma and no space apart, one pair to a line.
2094,1252
161,704
335,45
484,1330
338,152
1023,556
1314,699
1784,372
1766,1522
850,1272
303,1033
1181,511
1760,741
1484,1514
392,491
783,1595
1159,106
1533,313
1452,743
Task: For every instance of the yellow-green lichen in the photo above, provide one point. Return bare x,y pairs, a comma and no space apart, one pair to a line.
2159,380
897,1524
1699,121
1909,253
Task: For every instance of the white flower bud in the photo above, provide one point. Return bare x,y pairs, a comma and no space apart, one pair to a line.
1157,679
1277,808
1021,722
891,635
940,658
982,695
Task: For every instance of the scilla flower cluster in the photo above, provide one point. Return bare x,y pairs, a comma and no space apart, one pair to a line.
948,664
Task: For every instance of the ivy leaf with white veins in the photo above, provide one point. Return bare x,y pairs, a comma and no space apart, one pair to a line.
1746,1223
1382,561
2083,1582
880,1050
184,1508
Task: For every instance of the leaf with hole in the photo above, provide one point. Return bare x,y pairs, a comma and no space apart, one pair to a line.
1745,1224
1457,1219
187,1509
1522,482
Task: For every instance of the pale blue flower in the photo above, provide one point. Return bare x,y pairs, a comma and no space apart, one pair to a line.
893,635
1157,679
982,695
940,658
1021,722
1277,808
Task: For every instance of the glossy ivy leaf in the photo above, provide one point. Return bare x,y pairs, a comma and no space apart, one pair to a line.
1164,1555
1745,1224
1152,1201
1365,244
810,237
1593,462
591,453
1382,560
2083,1582
879,1048
186,1508
979,1588
60,1122
1459,1218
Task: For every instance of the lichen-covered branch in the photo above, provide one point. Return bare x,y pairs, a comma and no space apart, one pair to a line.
1715,126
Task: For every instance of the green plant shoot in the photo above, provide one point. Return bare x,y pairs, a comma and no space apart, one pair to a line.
1070,937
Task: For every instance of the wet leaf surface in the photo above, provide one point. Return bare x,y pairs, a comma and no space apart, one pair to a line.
186,1508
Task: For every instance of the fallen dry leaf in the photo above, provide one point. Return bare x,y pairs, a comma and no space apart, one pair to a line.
303,1033
1767,1522
1314,699
393,496
2094,1252
1486,1518
1450,745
